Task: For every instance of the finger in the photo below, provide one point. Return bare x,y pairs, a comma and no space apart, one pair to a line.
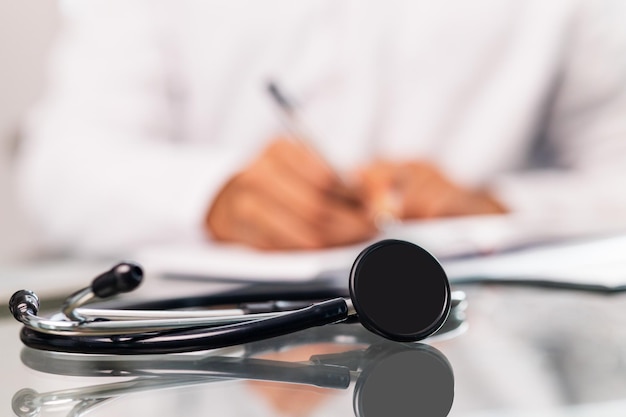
256,220
434,195
424,190
262,223
287,187
238,215
305,163
283,228
380,183
378,175
302,162
347,225
294,194
272,225
339,222
269,206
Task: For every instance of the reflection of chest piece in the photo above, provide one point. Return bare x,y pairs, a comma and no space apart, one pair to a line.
405,383
388,378
397,290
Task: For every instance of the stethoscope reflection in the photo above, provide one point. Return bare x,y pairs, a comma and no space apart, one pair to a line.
387,377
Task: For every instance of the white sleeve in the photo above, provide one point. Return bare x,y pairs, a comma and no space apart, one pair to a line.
586,126
99,172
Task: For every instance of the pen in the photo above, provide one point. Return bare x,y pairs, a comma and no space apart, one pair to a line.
300,132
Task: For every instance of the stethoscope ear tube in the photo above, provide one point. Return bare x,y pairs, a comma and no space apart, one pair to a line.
325,312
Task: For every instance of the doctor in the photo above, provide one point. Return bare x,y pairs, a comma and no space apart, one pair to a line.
156,125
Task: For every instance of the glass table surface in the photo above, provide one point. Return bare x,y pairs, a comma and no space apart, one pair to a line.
511,352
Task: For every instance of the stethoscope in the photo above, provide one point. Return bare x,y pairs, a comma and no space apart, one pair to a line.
397,290
395,376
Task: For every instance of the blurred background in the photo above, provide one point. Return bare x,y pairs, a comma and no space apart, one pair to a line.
27,31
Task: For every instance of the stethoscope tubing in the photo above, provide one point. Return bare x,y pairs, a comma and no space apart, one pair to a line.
100,322
188,339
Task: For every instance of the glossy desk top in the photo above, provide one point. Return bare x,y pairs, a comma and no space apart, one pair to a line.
520,352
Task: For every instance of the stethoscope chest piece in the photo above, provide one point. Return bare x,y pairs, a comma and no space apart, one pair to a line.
399,291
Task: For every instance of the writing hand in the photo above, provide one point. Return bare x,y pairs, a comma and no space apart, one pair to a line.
288,199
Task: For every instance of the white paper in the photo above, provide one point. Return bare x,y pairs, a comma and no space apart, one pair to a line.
220,261
598,261
446,239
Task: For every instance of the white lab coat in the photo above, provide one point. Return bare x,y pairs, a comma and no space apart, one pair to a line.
152,105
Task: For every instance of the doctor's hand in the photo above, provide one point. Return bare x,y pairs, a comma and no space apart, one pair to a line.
288,198
418,189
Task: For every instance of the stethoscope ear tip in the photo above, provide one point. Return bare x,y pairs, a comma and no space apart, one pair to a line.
22,302
123,277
